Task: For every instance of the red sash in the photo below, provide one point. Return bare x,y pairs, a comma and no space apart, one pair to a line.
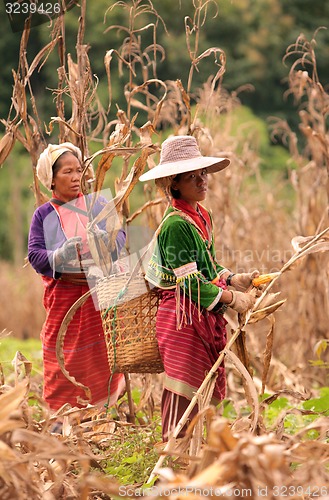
200,217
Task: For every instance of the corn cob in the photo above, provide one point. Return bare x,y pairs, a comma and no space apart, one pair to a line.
264,278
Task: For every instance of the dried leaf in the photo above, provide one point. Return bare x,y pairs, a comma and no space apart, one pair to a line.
146,205
263,313
220,436
6,454
249,384
127,186
208,476
298,242
20,361
113,226
7,143
186,100
304,451
107,62
11,400
99,431
19,98
277,394
268,300
103,166
10,425
242,351
47,48
268,352
99,251
321,347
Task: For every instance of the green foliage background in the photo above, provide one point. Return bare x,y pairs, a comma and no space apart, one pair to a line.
254,35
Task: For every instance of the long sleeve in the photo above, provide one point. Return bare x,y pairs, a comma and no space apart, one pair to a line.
120,241
38,255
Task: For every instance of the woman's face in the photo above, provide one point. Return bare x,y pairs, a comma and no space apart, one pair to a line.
66,180
192,186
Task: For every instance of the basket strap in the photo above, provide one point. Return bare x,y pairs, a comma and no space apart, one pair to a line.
60,342
60,203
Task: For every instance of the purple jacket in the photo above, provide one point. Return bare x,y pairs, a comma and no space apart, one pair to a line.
46,235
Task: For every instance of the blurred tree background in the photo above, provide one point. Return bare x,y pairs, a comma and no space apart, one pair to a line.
254,35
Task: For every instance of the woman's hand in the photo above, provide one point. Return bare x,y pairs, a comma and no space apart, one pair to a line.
243,281
69,251
242,302
101,234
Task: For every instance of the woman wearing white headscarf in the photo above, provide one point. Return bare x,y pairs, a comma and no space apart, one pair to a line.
58,250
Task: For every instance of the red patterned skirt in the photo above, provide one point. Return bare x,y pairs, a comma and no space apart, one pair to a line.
84,350
188,355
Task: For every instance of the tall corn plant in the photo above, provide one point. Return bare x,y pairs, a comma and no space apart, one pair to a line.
255,228
309,175
73,78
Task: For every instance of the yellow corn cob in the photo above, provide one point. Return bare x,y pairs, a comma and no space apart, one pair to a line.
264,278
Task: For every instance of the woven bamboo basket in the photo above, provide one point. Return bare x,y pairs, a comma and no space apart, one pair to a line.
128,310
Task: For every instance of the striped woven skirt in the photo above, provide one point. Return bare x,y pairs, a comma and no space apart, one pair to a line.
84,350
188,355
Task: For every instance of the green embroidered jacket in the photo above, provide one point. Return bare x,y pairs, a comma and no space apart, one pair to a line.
182,257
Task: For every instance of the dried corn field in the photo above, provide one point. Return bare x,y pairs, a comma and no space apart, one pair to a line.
276,353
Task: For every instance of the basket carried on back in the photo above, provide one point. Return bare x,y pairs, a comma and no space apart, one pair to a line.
128,309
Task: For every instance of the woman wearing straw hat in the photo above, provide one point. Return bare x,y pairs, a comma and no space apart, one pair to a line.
190,323
58,250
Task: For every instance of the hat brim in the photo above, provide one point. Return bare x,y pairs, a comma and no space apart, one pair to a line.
211,163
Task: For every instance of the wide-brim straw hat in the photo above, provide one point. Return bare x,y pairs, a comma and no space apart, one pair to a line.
180,154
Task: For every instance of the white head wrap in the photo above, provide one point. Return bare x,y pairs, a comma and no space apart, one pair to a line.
49,156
